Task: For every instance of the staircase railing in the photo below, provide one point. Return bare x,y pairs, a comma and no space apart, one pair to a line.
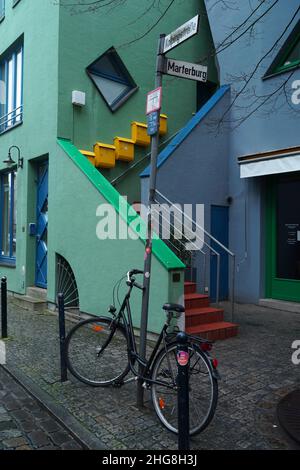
206,250
128,170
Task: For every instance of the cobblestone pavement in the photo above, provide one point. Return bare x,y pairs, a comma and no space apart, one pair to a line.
256,370
24,424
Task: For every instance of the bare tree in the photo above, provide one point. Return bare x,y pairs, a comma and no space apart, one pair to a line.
246,98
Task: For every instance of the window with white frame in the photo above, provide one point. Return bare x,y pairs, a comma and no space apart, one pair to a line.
2,9
11,88
8,217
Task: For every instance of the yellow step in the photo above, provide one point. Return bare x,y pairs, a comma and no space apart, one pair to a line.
139,134
90,156
163,124
105,155
124,149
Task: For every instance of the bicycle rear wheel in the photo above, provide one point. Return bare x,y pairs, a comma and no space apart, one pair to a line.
97,353
203,389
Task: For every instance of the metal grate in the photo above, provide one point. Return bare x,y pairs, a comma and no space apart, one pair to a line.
288,412
66,283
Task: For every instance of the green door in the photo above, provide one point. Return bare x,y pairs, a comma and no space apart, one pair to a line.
283,237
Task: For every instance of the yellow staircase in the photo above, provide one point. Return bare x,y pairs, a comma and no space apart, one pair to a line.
106,155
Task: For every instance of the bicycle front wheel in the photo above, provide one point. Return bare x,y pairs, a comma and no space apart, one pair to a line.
203,389
97,353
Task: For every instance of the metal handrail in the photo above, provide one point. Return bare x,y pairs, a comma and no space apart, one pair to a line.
122,175
203,253
212,238
6,117
198,226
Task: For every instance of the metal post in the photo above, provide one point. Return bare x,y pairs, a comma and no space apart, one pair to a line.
218,278
62,338
232,288
183,363
148,250
4,308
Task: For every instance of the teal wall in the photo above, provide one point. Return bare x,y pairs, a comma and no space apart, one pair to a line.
99,264
57,48
85,36
38,21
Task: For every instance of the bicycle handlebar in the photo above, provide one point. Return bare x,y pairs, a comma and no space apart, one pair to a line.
134,271
132,281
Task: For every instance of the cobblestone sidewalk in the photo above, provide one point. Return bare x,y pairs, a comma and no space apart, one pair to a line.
256,370
24,425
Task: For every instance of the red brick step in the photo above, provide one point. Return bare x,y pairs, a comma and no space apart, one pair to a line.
190,287
214,331
196,300
200,316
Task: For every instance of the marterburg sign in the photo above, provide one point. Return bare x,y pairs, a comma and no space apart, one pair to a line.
186,70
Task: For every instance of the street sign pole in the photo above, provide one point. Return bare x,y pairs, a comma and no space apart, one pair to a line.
148,250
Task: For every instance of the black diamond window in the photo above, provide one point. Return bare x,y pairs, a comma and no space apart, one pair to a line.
112,79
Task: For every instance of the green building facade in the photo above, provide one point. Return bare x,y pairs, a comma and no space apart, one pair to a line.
49,201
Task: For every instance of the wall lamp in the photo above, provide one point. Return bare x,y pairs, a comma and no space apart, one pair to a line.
10,162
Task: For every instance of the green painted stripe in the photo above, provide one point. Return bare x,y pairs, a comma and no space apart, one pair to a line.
162,252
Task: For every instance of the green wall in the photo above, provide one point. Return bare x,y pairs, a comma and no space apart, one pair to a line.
85,36
38,21
57,48
99,264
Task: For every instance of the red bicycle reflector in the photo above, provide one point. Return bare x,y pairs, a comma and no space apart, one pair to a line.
206,347
162,403
97,328
183,358
215,363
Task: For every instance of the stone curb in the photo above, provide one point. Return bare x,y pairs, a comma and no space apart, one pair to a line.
82,435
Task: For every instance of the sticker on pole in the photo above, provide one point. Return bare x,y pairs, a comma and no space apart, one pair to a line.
183,358
2,353
154,100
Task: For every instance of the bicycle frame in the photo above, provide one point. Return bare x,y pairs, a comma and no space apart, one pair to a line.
132,347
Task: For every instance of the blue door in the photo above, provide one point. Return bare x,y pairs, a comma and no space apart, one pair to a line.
219,230
42,226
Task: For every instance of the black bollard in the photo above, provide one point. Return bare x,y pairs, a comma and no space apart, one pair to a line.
4,333
62,338
183,363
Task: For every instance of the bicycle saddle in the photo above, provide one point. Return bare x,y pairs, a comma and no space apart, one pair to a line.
173,308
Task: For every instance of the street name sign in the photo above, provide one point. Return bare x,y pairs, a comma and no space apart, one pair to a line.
154,100
181,34
182,69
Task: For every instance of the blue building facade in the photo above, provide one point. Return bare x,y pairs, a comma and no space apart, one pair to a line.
242,155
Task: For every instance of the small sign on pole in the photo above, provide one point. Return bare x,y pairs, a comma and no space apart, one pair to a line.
181,34
187,70
154,100
153,123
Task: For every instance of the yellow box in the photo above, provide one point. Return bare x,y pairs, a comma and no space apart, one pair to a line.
90,156
139,134
163,124
105,155
124,149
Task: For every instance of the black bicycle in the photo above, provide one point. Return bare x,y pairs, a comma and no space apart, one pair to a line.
101,351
